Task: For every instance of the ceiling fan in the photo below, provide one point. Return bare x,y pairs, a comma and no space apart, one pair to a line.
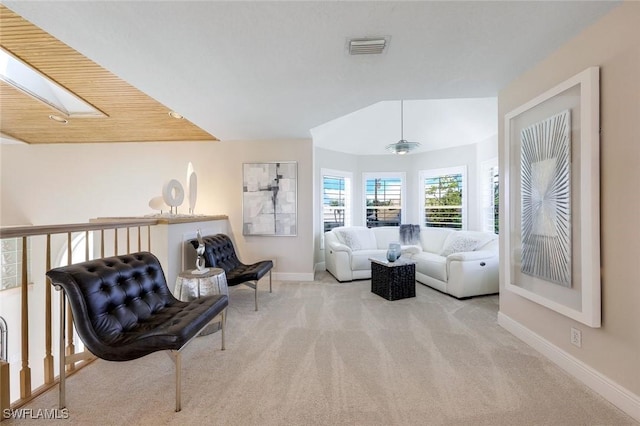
402,146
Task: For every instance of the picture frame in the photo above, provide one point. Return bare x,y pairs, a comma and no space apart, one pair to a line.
552,203
269,198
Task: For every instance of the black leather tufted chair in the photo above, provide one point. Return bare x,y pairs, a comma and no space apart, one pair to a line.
219,253
123,310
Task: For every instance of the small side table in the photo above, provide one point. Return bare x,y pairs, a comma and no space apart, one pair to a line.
393,280
190,286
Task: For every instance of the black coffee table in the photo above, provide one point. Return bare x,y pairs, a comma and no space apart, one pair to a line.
393,280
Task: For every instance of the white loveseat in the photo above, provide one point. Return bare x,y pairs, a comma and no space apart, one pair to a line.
460,263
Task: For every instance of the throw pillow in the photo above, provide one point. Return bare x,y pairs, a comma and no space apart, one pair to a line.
359,238
459,243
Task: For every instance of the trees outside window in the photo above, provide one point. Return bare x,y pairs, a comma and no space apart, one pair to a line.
444,198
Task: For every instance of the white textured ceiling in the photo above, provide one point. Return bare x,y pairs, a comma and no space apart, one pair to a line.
434,123
269,70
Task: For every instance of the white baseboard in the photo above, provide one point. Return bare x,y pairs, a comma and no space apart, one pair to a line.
619,396
293,276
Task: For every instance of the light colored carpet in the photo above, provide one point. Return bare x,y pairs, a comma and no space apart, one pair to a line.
325,353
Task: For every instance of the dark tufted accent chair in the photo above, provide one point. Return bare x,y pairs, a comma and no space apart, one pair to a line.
219,253
123,310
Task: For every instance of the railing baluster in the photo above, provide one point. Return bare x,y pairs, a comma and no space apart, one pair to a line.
139,239
86,245
128,240
48,358
69,249
102,243
71,347
115,238
149,238
25,372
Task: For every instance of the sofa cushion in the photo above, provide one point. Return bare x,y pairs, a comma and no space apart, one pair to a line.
358,238
385,235
460,241
492,244
360,259
431,264
432,239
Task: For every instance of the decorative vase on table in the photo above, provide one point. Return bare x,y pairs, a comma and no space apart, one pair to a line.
393,252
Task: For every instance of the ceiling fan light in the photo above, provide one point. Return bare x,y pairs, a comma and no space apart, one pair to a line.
402,147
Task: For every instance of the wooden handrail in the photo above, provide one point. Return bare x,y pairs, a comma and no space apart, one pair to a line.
30,231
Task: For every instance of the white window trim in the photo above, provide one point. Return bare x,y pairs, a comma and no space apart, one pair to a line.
384,175
348,201
424,174
485,185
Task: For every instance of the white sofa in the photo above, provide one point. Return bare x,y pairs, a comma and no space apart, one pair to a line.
459,263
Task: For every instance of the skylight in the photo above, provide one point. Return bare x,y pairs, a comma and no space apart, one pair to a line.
21,76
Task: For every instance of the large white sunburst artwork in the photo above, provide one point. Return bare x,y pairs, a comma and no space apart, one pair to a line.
546,199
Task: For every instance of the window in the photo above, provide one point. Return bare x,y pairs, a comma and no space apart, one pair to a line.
23,77
11,266
336,199
490,196
443,194
384,198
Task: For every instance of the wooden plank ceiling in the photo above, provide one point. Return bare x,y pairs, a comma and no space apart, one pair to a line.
130,115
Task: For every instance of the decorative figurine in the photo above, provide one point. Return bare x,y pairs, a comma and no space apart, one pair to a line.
200,269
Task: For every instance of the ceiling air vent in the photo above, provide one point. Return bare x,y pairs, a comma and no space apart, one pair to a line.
367,46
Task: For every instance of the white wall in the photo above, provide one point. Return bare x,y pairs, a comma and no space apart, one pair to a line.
487,149
71,183
609,354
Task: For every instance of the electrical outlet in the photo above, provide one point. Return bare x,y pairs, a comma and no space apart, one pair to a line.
576,337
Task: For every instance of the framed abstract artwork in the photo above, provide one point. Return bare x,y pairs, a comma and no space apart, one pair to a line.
269,198
551,200
545,189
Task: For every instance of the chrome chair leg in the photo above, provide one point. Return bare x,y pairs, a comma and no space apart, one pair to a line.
176,357
178,381
256,294
270,291
254,285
